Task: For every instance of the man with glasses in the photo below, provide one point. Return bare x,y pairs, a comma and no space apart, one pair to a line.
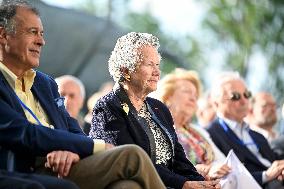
230,98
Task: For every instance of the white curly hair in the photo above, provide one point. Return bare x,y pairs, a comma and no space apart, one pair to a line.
126,55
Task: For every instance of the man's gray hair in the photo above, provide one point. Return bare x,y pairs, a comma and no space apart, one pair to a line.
126,55
74,79
8,10
221,79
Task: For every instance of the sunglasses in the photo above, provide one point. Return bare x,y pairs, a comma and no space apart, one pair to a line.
236,96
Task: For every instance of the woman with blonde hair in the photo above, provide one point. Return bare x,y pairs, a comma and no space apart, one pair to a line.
180,91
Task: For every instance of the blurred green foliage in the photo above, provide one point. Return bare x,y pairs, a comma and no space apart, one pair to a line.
247,27
240,28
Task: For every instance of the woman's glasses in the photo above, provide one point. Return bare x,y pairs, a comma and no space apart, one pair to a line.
236,96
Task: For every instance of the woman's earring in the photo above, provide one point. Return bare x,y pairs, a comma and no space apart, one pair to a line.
127,77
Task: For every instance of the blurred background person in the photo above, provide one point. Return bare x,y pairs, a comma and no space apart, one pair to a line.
278,144
180,90
103,90
262,115
205,112
73,90
230,97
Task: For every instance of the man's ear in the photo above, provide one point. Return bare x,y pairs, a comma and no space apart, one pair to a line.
215,105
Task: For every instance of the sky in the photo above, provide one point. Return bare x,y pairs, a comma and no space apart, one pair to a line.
62,3
184,18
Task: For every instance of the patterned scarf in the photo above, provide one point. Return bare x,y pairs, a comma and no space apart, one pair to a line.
195,146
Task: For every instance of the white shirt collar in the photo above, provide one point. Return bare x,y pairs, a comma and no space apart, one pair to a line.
235,126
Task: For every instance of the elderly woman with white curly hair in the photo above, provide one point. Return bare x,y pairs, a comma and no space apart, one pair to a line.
127,116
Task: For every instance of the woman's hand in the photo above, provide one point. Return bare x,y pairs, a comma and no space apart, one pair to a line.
276,170
219,171
202,185
203,169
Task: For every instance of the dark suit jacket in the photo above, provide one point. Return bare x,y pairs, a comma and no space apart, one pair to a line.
15,180
225,142
112,124
28,140
278,146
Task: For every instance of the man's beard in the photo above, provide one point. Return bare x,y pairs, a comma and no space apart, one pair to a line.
267,122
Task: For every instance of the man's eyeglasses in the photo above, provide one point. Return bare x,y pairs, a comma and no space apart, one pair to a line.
235,96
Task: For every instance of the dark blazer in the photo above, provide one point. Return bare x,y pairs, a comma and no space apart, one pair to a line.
225,142
28,140
14,180
278,146
114,125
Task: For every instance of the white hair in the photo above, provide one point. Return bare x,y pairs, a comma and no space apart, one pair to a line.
61,79
125,54
221,79
204,101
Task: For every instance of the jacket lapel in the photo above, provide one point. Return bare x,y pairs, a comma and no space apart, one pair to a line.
12,95
134,127
163,128
46,101
264,149
244,151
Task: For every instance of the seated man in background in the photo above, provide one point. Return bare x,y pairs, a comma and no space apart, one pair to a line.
34,122
278,144
262,115
73,90
229,131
